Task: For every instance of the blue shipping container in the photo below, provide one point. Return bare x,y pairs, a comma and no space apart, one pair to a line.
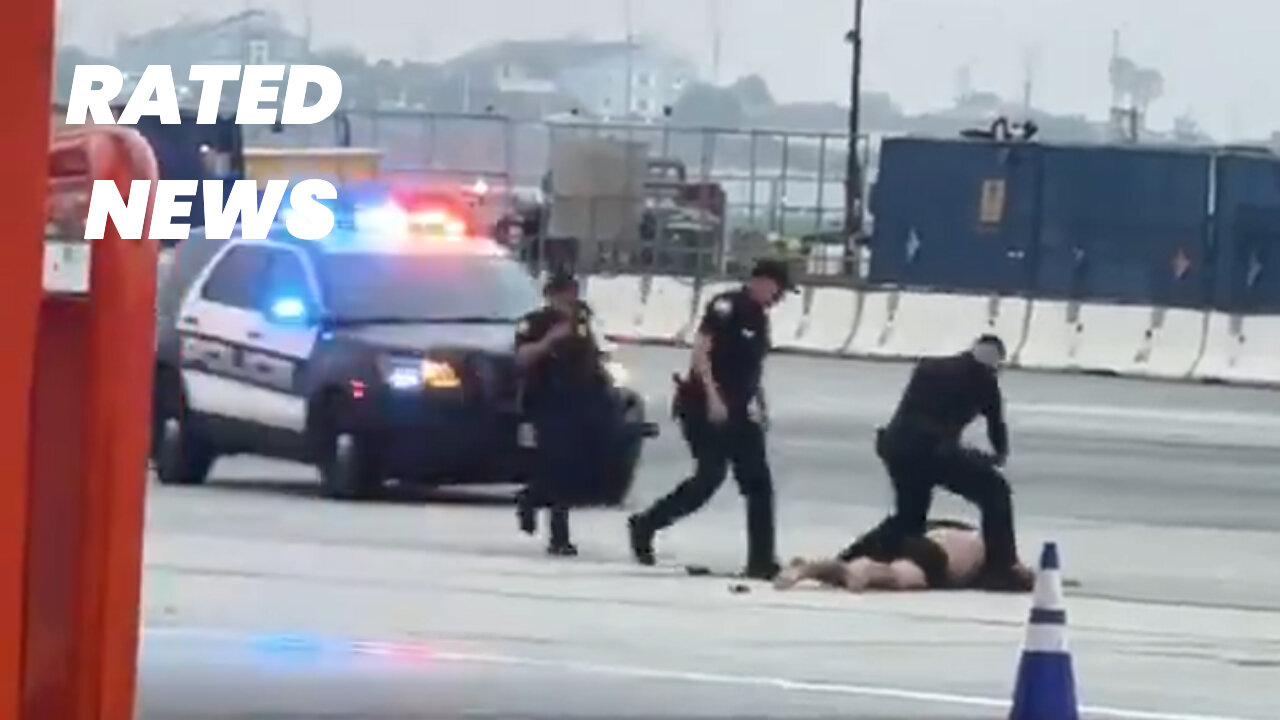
1247,234
1125,225
956,215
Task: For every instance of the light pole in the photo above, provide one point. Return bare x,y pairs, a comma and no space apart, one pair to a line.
853,169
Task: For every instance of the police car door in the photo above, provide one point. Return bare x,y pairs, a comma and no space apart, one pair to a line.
216,324
285,334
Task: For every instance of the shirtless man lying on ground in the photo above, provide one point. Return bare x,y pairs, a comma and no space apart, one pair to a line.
949,556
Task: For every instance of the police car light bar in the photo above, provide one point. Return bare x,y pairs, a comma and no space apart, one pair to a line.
374,208
430,223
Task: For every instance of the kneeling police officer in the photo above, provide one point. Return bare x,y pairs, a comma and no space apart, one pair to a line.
721,408
567,397
921,449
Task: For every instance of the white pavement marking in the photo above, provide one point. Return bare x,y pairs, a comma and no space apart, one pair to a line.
1213,417
752,681
887,693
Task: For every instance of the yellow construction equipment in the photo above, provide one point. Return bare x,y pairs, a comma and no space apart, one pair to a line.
339,165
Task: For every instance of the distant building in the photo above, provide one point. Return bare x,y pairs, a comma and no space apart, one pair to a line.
253,37
594,74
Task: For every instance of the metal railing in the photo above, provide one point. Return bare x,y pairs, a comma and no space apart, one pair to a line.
782,190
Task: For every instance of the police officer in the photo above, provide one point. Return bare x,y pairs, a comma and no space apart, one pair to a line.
721,407
566,395
921,449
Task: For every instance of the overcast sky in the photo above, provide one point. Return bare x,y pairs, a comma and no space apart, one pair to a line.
1218,58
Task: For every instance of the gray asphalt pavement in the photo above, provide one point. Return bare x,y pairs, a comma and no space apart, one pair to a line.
1163,498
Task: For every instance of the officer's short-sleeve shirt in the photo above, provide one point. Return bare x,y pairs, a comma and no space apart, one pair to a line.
573,362
739,331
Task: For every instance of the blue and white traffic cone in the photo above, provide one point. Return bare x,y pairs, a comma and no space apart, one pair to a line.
1046,685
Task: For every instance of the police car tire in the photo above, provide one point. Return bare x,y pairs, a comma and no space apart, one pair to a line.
182,455
352,473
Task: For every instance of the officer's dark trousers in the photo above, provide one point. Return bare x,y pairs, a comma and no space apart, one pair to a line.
916,466
576,435
737,443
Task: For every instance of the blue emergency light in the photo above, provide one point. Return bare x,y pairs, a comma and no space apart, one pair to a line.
373,212
288,309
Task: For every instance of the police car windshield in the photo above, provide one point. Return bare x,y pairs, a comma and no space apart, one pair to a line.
376,287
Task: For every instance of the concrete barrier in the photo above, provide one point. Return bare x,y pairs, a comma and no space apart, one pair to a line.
829,322
668,308
1043,334
1241,349
914,325
787,319
1121,339
616,302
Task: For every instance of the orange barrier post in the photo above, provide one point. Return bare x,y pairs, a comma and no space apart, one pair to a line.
26,54
90,411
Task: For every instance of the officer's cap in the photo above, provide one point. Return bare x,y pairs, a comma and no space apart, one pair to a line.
560,281
777,271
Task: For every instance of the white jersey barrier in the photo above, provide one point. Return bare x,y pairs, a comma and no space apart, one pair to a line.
913,325
1042,334
1241,349
1121,339
830,318
616,301
668,308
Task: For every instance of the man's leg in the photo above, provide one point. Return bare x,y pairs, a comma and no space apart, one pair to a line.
548,464
708,443
751,470
973,477
856,576
560,542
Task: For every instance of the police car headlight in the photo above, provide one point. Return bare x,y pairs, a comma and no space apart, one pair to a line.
618,373
406,373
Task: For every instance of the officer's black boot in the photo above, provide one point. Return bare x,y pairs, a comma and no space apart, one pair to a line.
526,512
762,561
560,544
641,532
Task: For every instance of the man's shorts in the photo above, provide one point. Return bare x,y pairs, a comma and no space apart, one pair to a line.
930,558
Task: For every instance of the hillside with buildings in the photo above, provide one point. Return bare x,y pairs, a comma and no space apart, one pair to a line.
607,81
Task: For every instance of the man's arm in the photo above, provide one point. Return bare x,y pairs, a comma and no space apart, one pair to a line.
715,317
701,362
993,412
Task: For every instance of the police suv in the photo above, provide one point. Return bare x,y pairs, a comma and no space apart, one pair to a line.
384,351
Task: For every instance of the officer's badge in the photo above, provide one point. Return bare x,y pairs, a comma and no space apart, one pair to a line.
522,328
583,331
722,306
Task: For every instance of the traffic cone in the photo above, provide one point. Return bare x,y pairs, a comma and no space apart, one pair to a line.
1046,685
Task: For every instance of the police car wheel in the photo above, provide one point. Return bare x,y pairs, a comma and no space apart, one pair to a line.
180,453
183,457
350,470
622,476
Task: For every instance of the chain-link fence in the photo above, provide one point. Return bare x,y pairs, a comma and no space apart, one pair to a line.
707,200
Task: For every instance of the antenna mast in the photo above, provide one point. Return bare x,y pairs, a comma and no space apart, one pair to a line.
629,28
1029,57
717,36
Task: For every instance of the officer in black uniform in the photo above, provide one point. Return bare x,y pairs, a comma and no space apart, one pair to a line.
921,449
566,395
722,412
